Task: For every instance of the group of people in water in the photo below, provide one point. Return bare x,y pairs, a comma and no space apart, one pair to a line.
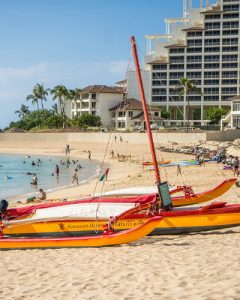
73,162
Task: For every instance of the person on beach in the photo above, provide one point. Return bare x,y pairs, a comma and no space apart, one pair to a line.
121,139
57,170
34,179
89,154
67,150
43,195
112,154
115,137
235,164
75,176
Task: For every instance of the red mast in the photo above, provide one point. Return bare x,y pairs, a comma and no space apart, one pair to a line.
145,110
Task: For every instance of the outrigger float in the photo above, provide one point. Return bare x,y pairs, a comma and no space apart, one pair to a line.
89,216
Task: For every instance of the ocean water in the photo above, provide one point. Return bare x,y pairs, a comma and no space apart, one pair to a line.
15,181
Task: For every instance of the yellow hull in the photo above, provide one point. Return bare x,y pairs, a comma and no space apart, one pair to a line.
123,237
216,192
169,225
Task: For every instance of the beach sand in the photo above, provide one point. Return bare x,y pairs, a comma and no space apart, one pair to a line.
196,266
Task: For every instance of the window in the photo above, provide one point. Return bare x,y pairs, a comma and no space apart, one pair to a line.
130,114
193,98
194,58
176,67
232,57
212,33
159,82
211,98
194,33
194,66
85,104
229,90
159,75
194,43
229,65
215,25
212,49
233,24
93,113
193,75
94,96
176,50
121,124
230,16
231,7
173,82
213,16
236,121
229,81
236,106
230,32
211,91
176,75
173,91
211,82
211,58
176,59
93,104
159,99
230,49
156,114
194,50
78,105
230,41
214,74
211,66
212,42
159,67
229,74
159,91
121,114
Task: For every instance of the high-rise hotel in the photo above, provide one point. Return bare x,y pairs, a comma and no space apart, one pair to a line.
203,46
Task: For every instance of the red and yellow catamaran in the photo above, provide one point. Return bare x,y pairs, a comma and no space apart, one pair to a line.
87,217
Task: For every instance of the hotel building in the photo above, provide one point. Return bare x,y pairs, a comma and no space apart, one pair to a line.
203,46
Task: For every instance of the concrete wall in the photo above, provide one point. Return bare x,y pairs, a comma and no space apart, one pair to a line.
99,137
132,138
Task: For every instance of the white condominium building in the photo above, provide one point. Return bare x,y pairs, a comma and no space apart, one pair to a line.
95,100
203,46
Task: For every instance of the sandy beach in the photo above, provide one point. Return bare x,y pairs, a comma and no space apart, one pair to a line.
196,266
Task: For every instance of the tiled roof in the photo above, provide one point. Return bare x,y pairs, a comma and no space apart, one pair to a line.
140,117
122,81
234,98
100,89
132,104
176,46
158,61
196,28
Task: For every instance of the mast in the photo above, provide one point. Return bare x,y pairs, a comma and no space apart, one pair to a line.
145,110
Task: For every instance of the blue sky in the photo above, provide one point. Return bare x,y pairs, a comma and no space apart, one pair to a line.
71,42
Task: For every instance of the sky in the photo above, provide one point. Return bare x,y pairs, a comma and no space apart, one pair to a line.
71,42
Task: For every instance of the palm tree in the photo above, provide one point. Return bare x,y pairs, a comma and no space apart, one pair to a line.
41,93
185,87
22,112
61,93
35,100
74,95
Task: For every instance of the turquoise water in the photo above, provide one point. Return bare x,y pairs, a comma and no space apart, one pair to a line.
15,182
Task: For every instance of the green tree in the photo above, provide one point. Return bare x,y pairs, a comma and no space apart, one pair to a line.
61,93
165,114
74,95
86,120
214,114
34,98
185,87
22,112
41,93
